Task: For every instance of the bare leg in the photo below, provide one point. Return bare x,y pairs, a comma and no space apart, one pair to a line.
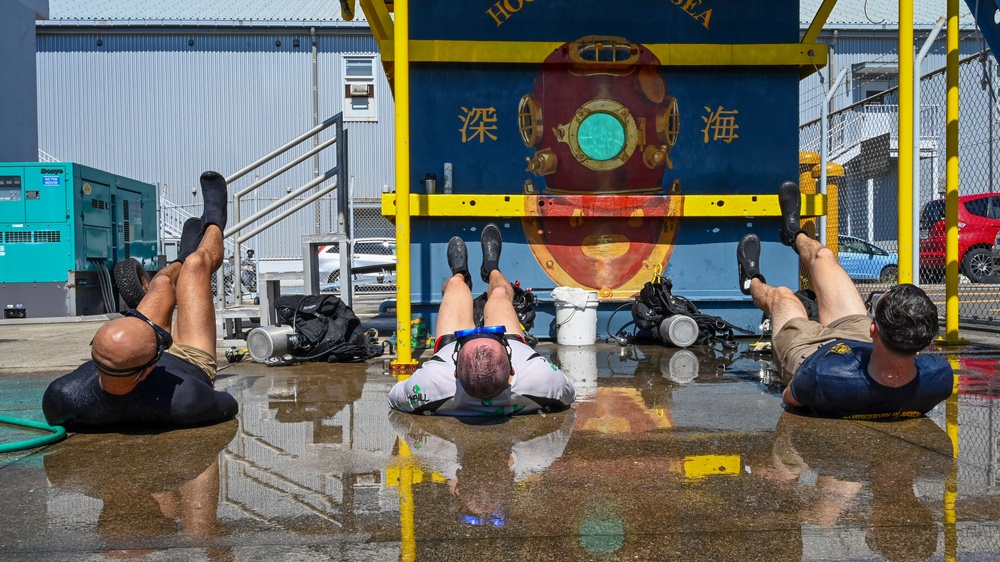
499,309
780,303
456,307
161,297
835,292
195,306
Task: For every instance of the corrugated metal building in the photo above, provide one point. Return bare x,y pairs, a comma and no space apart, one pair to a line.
163,91
863,40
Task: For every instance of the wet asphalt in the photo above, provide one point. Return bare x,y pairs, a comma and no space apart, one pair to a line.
667,455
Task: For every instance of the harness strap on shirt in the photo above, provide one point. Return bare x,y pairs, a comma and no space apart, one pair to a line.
450,338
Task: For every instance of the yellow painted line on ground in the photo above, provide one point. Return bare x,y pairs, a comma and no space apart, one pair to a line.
697,467
519,205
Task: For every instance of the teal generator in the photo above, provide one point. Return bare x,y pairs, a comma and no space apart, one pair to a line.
63,227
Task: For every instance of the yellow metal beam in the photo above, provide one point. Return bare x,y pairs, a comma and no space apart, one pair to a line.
819,20
518,205
381,24
766,54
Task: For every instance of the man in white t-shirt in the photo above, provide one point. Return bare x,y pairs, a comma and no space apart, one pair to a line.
487,370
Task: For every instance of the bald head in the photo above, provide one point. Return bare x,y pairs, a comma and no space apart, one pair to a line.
122,344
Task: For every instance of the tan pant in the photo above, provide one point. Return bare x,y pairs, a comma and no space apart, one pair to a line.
799,338
197,357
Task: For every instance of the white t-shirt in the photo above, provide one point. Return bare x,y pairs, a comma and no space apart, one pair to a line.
539,386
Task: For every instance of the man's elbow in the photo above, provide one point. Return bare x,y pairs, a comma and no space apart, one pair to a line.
788,398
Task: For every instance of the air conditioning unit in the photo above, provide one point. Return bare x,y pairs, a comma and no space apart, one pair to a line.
360,90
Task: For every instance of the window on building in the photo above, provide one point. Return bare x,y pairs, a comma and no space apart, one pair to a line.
359,88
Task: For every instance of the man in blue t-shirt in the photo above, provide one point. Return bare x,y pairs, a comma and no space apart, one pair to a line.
846,365
146,367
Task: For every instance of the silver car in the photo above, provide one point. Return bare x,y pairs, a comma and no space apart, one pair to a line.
375,258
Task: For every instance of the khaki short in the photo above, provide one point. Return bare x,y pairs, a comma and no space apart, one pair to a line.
799,338
197,357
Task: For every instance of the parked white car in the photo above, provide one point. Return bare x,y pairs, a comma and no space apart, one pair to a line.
375,257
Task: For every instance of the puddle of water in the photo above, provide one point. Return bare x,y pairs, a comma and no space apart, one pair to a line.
664,454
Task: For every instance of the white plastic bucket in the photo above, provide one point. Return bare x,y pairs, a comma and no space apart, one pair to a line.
575,324
579,364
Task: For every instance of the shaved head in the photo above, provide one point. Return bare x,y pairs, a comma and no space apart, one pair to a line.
122,344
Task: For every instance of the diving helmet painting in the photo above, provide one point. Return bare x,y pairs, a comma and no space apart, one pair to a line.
602,124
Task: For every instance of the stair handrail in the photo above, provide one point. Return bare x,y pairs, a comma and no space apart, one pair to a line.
338,173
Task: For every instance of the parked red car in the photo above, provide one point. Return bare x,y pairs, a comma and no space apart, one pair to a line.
978,225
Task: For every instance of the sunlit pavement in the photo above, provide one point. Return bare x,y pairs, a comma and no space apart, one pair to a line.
666,455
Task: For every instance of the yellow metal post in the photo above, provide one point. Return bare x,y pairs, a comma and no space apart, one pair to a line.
807,185
905,160
951,183
834,171
404,353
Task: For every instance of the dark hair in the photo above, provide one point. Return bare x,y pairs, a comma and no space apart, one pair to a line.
907,319
483,370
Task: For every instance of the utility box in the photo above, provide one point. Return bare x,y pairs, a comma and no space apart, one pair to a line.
63,227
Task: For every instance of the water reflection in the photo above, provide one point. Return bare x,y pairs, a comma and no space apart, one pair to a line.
883,481
656,462
483,469
134,493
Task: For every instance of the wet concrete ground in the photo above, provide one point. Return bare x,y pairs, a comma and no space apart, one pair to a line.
667,455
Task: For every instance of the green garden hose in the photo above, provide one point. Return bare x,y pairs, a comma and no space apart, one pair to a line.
58,432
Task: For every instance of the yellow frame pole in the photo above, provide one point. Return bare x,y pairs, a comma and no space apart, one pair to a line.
904,208
404,363
951,182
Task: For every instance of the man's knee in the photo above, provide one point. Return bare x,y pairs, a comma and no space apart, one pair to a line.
503,293
782,294
823,253
455,282
198,264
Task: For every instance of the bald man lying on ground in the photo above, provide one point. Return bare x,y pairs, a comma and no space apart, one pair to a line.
146,369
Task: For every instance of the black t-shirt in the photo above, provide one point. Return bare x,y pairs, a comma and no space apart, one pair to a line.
176,392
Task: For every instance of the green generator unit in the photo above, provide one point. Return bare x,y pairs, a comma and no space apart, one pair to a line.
63,227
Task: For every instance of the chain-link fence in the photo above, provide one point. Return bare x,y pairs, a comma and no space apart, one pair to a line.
862,185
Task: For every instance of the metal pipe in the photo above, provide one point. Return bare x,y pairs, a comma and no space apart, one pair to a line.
295,193
916,147
283,148
283,214
315,100
824,149
312,151
237,258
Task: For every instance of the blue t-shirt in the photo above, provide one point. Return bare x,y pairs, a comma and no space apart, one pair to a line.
834,382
